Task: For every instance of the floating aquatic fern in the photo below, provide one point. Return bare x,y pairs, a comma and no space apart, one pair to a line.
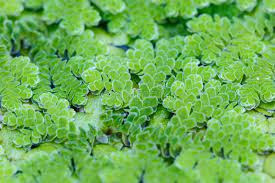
137,91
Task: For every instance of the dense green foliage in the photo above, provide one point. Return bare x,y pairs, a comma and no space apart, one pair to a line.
122,91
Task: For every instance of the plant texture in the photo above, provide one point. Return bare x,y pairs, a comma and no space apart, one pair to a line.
137,91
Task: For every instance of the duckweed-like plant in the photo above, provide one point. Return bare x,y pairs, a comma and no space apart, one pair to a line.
122,91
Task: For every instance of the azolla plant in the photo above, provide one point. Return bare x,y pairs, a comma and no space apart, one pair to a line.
137,91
